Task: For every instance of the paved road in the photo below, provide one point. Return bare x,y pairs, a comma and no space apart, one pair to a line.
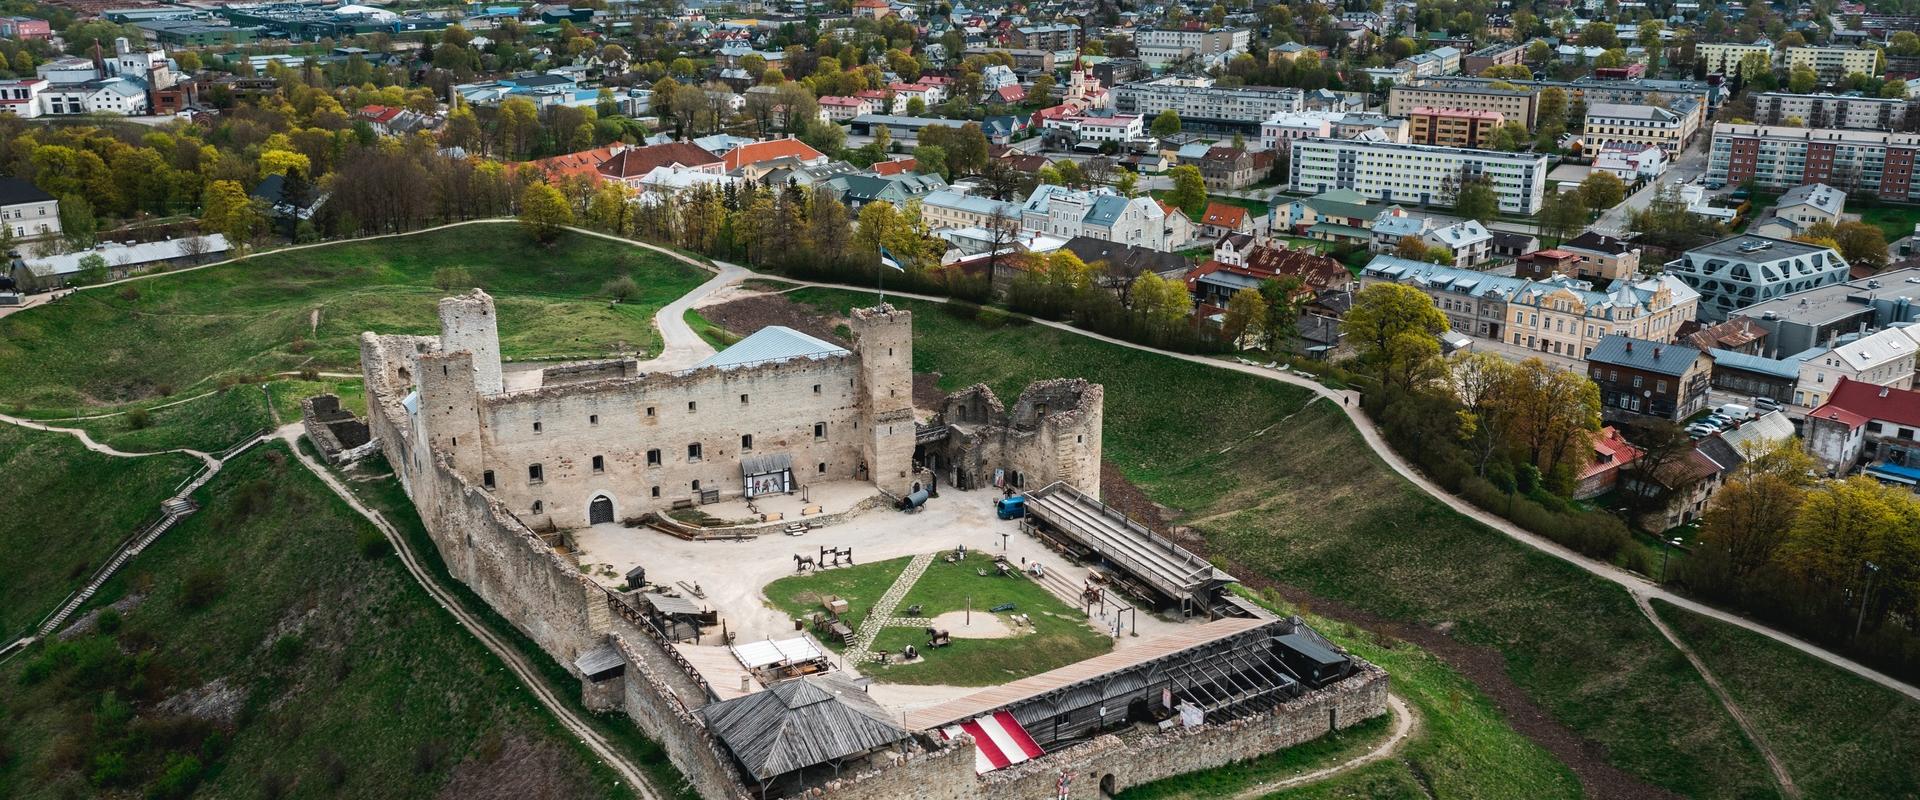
1691,164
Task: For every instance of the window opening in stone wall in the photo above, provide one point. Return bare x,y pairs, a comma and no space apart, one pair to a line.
656,491
536,427
535,474
746,442
593,419
743,399
599,463
486,479
692,406
693,452
653,458
819,430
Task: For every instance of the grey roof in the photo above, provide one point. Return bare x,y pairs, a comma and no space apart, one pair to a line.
20,190
599,661
1822,197
1631,111
972,203
667,604
1626,351
1751,248
800,723
1509,289
1787,368
1106,210
772,343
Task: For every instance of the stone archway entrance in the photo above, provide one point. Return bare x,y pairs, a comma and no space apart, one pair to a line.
600,510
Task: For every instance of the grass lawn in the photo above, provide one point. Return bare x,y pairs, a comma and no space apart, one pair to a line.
1294,495
714,335
1838,736
152,338
860,585
208,424
320,667
71,507
1894,221
287,394
1060,635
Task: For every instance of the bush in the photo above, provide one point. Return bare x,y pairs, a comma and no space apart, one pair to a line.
177,779
139,418
990,317
202,587
621,289
129,294
287,649
372,544
108,622
309,374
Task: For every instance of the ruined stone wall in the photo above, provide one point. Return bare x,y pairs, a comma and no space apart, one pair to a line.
1051,434
621,421
655,707
945,773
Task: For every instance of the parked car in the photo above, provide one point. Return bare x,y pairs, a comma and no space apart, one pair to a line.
1766,404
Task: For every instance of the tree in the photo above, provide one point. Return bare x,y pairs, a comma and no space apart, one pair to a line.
280,162
93,270
78,225
1482,382
1189,189
1042,92
1752,514
932,160
1861,243
1475,199
1562,216
609,209
1166,125
1283,296
449,279
1599,34
1801,79
1602,190
1555,413
1412,248
1246,317
1396,331
1164,303
225,208
544,212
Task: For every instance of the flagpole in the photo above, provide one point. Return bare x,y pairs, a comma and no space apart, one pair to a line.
880,272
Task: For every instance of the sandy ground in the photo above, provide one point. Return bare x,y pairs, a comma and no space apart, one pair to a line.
732,574
977,625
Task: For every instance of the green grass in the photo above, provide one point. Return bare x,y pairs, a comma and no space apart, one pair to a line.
1894,221
174,333
208,424
287,394
719,337
1060,636
1229,780
69,509
1293,494
1838,736
860,585
338,658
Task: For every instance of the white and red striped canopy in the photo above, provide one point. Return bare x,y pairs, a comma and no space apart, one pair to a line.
998,741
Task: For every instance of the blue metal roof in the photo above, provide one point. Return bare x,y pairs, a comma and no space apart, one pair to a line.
770,344
1906,475
1788,368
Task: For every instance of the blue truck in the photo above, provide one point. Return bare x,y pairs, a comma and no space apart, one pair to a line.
1013,507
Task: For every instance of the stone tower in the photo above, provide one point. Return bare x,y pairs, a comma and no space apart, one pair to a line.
468,322
883,339
449,408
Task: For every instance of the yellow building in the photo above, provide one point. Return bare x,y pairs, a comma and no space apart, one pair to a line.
1835,63
1453,127
1725,57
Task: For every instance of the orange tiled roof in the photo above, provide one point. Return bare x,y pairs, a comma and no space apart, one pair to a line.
767,151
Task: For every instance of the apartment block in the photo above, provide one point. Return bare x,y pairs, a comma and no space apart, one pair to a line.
1202,104
1724,57
1493,55
1837,111
1625,123
1514,104
1778,157
1414,173
1453,127
1052,38
1835,63
1156,46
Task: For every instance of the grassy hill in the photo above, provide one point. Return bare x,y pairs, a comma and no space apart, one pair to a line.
271,646
1288,492
305,309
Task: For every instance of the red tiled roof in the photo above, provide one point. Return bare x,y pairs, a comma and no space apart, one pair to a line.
1011,94
1609,452
1867,401
841,100
767,151
585,162
1224,215
635,162
1314,270
895,166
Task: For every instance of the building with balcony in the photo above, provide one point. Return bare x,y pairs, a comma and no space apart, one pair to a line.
1879,163
1452,127
1157,46
1414,173
1204,106
1723,58
1837,111
1834,64
1627,123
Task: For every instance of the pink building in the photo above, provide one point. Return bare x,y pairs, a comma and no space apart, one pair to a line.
25,28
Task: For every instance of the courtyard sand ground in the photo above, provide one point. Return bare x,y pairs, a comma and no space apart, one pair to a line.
734,574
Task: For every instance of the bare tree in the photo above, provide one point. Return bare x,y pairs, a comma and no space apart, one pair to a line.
193,248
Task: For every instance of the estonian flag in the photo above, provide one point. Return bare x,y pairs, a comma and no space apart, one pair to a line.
887,259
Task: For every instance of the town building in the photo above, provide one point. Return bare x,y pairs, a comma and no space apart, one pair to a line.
1641,379
1392,225
1204,106
1799,209
1815,317
26,29
1741,271
1599,257
1053,38
1158,46
858,190
1233,167
1337,215
1452,127
1224,219
1611,454
21,98
843,108
1559,315
1412,173
1517,104
1630,161
1879,163
1879,425
1466,241
1885,358
951,209
1214,283
1608,123
1723,58
1499,54
1854,111
1833,64
1095,213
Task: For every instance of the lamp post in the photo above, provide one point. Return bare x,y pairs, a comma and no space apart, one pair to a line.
1862,621
1665,553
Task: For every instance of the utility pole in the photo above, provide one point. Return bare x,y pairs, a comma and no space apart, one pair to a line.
1871,568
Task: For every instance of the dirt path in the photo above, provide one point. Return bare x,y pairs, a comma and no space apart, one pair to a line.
1780,775
507,653
1406,722
88,442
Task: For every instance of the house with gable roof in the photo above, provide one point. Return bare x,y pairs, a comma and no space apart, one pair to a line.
1097,213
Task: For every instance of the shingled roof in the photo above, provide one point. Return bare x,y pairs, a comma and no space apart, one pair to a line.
800,723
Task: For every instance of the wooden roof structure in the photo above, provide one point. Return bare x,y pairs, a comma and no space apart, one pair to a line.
800,723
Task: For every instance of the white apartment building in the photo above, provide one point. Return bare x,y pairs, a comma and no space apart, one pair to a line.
1096,213
29,212
104,96
1197,100
1516,104
1831,110
1781,157
1623,123
21,98
1116,128
1157,46
1724,57
1886,358
1413,173
843,108
1629,162
1280,129
1835,63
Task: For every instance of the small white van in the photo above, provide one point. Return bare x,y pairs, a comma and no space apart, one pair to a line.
1734,411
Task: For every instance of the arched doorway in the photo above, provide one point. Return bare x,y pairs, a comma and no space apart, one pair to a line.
1107,788
600,510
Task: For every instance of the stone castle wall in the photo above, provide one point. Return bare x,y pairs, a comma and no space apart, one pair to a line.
1052,433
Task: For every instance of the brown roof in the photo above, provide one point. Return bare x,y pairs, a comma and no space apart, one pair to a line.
1730,335
1225,216
635,162
585,162
1314,270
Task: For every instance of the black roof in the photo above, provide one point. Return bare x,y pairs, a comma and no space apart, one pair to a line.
20,190
1626,351
1126,257
799,723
